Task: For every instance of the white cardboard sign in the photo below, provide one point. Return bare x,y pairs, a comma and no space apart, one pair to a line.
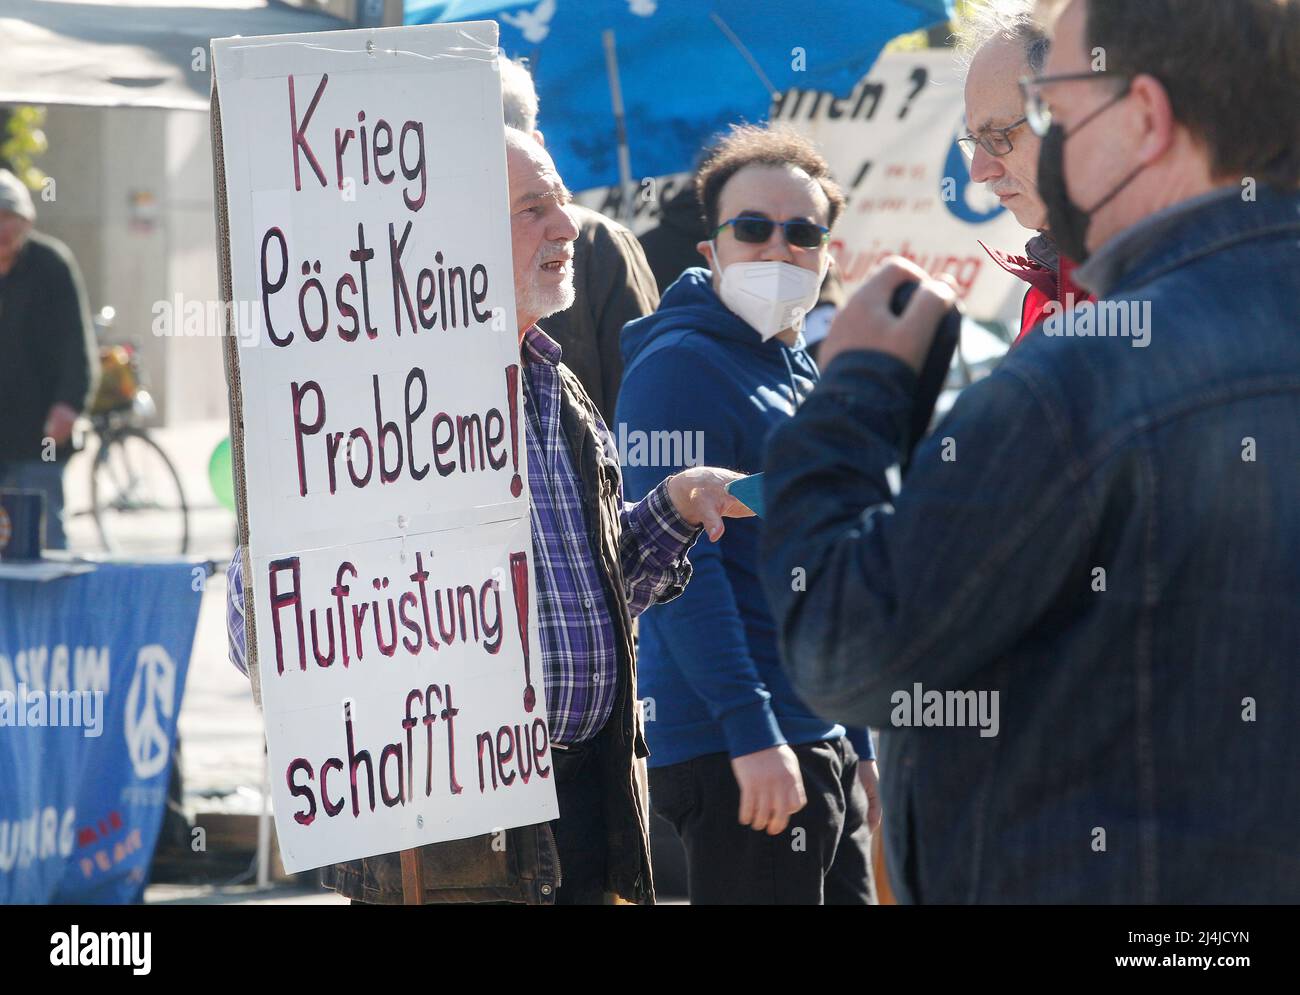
383,469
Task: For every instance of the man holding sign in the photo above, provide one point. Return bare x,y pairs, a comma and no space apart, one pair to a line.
598,563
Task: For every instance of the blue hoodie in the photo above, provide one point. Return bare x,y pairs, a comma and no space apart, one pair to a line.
708,659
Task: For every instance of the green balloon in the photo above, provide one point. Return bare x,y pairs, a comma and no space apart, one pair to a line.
221,474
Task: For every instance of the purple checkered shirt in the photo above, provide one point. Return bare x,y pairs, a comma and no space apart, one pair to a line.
579,653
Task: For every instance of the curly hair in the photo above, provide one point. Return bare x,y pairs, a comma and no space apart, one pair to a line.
762,145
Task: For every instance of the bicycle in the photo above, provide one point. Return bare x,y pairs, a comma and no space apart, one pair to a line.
136,498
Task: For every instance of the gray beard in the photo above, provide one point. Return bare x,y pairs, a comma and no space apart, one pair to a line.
546,303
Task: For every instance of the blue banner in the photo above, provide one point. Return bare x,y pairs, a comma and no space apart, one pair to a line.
92,670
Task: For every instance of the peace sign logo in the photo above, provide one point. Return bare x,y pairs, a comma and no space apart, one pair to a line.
153,690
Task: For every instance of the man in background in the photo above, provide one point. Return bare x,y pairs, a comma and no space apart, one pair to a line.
612,280
670,246
48,358
1003,43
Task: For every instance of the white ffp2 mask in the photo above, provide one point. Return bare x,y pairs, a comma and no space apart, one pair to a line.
770,296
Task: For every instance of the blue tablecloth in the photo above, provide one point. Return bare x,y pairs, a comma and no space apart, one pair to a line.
92,670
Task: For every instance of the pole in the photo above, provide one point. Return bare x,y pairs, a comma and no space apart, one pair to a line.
620,124
264,827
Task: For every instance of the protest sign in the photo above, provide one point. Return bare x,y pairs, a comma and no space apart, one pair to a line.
380,465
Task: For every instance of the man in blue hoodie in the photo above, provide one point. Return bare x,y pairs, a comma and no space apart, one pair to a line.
770,800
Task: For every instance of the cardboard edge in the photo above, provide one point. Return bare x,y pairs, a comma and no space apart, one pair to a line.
230,360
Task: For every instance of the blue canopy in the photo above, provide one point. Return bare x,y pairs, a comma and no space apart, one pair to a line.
686,68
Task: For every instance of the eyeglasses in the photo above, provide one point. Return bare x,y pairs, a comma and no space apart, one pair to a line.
1038,112
994,141
755,230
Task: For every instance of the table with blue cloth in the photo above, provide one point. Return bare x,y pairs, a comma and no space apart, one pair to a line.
93,660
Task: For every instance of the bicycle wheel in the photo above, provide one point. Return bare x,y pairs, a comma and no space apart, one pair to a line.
136,493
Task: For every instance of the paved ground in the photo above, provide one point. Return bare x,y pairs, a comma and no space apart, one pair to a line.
176,894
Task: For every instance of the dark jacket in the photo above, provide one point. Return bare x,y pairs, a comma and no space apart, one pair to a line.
670,245
614,286
527,868
1135,759
47,345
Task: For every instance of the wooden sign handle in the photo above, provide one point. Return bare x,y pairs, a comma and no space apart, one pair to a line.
884,893
412,878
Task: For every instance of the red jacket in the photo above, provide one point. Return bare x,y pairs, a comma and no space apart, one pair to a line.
1049,275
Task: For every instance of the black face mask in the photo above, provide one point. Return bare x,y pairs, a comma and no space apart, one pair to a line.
1067,222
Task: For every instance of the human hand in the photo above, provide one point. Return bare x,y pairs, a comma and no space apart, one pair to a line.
58,423
700,496
771,788
869,776
866,321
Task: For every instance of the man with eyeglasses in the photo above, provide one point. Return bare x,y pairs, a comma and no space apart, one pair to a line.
612,280
1004,44
770,800
1100,539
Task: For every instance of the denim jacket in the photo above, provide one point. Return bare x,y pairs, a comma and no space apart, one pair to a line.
1108,537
